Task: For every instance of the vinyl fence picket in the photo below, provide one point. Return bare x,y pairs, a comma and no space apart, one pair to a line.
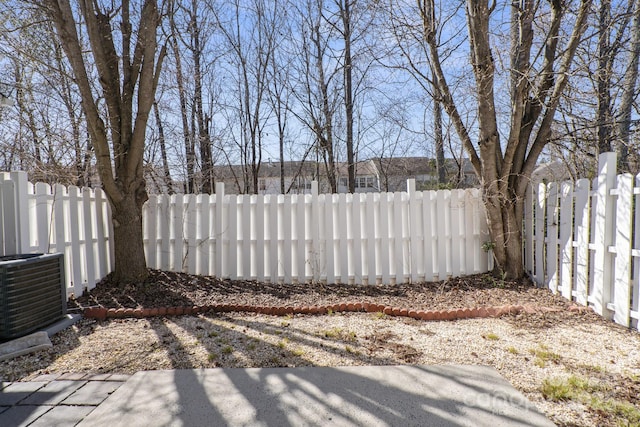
582,222
624,230
603,233
552,237
103,234
88,202
191,240
235,264
528,229
457,225
566,239
202,229
539,238
43,215
164,213
288,239
343,227
429,229
398,236
470,243
443,227
244,268
150,213
635,253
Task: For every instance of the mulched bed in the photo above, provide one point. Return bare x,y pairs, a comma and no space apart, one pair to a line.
167,289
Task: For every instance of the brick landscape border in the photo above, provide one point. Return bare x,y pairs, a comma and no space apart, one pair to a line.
102,313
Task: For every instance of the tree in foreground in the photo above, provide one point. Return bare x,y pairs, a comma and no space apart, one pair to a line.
540,66
128,64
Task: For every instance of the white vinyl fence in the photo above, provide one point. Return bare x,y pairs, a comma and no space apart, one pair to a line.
349,238
43,219
583,241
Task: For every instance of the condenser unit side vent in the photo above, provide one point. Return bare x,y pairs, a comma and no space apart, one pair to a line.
32,293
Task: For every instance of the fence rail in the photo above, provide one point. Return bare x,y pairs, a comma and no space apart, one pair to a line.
350,238
582,240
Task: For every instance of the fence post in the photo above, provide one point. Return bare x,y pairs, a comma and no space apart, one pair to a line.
219,228
603,232
20,178
14,220
8,235
317,260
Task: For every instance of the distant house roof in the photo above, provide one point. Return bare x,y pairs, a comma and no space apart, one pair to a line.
411,166
405,166
554,171
268,169
363,167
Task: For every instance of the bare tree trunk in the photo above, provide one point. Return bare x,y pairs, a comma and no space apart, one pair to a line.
603,78
324,134
204,139
189,146
348,92
163,150
439,142
121,76
629,85
505,175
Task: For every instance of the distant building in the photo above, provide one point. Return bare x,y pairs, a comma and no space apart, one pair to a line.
393,173
372,175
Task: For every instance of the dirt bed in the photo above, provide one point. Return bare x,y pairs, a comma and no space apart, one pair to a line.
576,367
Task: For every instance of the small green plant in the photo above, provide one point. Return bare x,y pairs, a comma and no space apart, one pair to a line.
572,388
488,246
349,349
491,336
298,352
283,343
251,346
329,311
543,355
227,349
626,411
211,357
213,334
379,315
593,368
332,333
512,350
284,323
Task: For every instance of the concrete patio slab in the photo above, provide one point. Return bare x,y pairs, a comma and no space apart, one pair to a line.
457,395
63,416
93,393
22,415
53,393
18,391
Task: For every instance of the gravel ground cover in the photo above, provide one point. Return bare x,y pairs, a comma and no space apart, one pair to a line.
576,367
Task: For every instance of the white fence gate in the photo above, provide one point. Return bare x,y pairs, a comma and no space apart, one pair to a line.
583,241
